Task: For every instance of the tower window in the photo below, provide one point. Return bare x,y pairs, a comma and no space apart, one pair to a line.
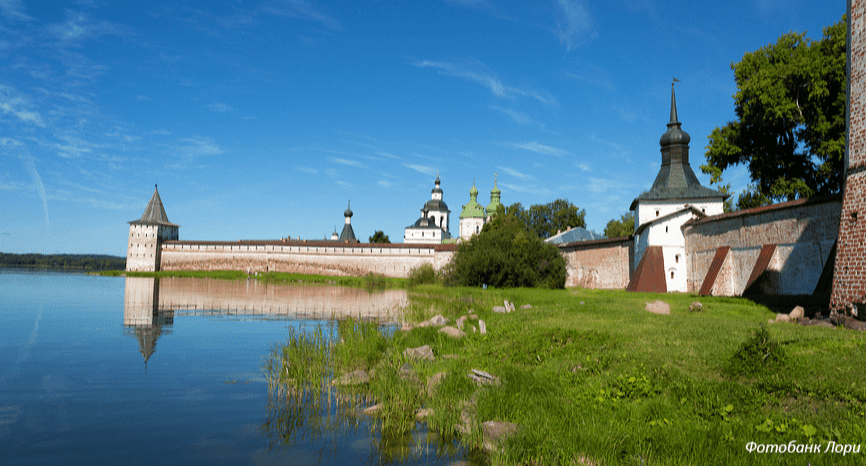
672,274
677,258
666,229
657,213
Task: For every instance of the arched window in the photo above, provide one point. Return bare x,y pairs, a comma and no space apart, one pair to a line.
477,229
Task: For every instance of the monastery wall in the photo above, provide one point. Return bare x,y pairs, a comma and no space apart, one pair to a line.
321,258
603,263
803,232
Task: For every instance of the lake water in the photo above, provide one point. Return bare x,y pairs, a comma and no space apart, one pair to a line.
99,370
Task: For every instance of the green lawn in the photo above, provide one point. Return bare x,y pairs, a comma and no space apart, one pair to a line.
592,378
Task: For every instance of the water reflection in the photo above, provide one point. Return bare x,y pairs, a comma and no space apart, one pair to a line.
151,304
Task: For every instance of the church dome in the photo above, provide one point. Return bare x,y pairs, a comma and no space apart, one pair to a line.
674,134
348,212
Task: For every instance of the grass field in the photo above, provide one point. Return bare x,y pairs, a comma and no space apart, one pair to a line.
591,378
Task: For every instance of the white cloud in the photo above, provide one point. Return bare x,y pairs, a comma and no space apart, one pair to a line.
351,163
574,26
302,10
538,148
80,25
516,173
475,71
308,170
30,166
583,167
220,107
518,117
526,189
11,103
421,168
199,147
13,9
386,184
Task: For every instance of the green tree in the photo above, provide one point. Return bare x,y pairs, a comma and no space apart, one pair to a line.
546,219
507,254
790,127
622,227
379,237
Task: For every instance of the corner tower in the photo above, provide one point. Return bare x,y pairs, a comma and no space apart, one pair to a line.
849,275
146,235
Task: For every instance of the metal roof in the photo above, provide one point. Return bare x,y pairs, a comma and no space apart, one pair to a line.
154,213
676,180
575,234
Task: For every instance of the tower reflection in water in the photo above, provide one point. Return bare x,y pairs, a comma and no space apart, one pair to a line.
151,304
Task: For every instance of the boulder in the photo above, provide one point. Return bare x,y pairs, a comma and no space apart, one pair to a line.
421,353
482,327
483,378
372,410
783,318
797,313
352,378
696,307
452,332
659,307
499,309
460,322
433,382
495,432
422,414
526,306
472,317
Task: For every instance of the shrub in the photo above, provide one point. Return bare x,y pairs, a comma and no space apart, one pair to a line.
422,275
506,254
756,355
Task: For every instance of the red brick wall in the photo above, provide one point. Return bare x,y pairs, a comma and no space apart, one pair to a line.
849,276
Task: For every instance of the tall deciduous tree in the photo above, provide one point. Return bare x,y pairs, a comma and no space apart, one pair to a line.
790,127
379,237
622,227
546,219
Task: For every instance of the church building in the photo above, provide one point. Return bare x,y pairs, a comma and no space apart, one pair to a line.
676,197
432,227
474,215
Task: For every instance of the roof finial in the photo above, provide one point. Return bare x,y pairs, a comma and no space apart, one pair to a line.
154,186
494,179
674,102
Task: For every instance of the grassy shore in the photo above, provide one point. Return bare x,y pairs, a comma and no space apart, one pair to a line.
591,378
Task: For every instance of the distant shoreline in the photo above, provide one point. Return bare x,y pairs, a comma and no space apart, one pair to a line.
81,262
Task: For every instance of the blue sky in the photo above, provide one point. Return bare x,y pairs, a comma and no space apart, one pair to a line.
262,119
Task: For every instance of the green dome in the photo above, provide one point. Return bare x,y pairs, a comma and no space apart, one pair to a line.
494,199
473,209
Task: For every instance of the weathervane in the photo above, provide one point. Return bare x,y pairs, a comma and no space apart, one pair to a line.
675,81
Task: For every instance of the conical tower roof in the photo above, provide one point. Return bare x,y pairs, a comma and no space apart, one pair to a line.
676,180
154,213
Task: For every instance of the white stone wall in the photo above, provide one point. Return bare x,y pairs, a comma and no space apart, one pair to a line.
423,236
803,232
647,211
317,259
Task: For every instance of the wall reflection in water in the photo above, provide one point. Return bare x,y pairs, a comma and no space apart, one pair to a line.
151,304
